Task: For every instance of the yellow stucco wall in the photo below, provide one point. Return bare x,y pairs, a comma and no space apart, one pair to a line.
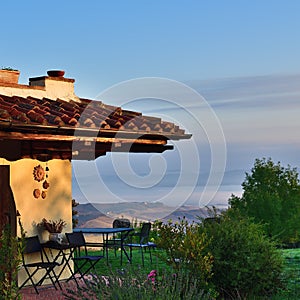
56,205
48,87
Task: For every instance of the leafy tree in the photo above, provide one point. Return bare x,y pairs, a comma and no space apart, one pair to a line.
272,197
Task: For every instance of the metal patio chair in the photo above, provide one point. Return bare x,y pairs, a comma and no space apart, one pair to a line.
116,240
32,245
143,241
81,257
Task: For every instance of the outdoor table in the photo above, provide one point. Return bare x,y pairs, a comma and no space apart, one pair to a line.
65,251
105,232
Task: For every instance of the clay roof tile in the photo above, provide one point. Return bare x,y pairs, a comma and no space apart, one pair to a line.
84,113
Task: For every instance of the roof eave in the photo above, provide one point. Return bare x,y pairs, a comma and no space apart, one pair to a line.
8,125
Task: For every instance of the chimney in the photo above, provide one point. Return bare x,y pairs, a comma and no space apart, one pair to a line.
55,84
9,76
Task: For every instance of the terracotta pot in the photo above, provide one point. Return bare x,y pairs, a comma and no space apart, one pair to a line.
56,73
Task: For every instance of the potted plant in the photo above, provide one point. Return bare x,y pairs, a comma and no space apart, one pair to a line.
9,75
54,228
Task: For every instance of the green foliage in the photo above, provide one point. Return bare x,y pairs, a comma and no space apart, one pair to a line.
291,274
228,254
8,69
246,262
133,284
154,233
272,197
9,264
186,248
137,225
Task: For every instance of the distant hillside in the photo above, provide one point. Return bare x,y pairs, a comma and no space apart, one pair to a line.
87,212
102,215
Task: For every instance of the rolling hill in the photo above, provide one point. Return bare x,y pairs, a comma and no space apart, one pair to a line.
102,215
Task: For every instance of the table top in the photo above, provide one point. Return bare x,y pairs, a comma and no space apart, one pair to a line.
102,230
56,245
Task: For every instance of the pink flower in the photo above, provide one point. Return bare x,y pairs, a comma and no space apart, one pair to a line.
152,275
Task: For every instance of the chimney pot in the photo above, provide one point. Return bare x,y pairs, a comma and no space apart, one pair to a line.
56,73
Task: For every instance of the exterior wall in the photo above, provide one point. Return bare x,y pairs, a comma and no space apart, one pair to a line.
60,89
22,91
56,205
58,202
40,87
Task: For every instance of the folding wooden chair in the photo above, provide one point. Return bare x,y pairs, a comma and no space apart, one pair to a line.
32,245
82,257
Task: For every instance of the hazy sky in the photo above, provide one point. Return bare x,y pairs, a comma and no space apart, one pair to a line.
241,56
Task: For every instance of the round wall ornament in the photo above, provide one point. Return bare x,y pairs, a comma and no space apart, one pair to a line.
38,173
36,193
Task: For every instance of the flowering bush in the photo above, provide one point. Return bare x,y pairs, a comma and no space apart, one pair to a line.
135,284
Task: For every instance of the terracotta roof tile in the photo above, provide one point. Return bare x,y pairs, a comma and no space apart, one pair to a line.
85,113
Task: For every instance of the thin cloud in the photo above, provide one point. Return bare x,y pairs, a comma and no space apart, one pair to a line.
259,116
264,91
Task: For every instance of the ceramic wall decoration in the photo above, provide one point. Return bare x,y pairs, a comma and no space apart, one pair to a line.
39,175
36,193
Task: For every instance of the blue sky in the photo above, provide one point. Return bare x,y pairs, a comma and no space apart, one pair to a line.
241,56
101,43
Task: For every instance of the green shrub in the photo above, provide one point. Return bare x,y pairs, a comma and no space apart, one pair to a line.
246,262
9,264
228,254
186,248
